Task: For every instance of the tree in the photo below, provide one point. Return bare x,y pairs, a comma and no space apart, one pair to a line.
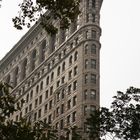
23,129
63,10
121,121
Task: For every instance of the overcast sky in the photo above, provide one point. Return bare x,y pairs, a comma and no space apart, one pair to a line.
120,52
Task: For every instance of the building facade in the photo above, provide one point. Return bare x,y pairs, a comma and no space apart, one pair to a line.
57,76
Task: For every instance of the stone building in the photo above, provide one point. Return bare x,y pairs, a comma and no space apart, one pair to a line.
58,76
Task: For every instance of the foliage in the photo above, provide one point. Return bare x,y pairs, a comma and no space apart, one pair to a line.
122,121
64,10
23,129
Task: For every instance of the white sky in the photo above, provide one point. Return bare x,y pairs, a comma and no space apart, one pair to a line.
120,52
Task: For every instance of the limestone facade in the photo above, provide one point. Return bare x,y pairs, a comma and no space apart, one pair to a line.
57,76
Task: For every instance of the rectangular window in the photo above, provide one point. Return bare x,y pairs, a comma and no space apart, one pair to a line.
70,74
93,63
63,80
51,90
36,103
68,120
61,124
50,104
93,94
39,113
46,94
93,78
75,70
74,85
93,49
62,108
40,99
45,108
93,34
69,89
69,104
74,116
30,107
74,100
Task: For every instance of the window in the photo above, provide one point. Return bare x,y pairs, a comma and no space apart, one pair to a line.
93,78
85,110
68,120
93,94
93,49
36,103
63,66
71,45
58,83
58,71
93,34
26,110
75,56
86,63
62,108
35,116
61,124
74,116
57,111
74,85
74,100
47,81
58,96
41,86
27,98
30,107
93,3
49,66
93,63
50,119
70,75
86,49
85,94
68,104
63,93
63,80
93,17
50,104
37,89
51,90
39,113
34,54
40,99
87,17
52,76
69,89
46,94
75,70
86,78
92,108
31,94
70,60
45,108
